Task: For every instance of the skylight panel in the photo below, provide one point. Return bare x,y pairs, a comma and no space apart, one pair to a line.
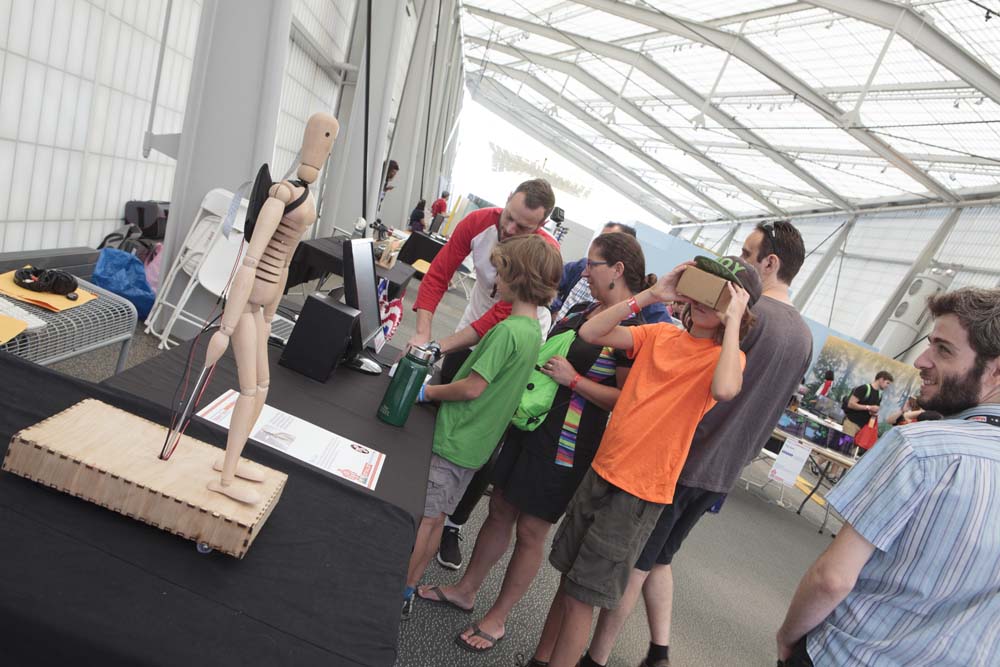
966,23
698,10
837,52
602,26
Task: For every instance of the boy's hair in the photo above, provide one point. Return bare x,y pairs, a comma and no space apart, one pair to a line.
537,194
884,375
978,311
781,238
530,265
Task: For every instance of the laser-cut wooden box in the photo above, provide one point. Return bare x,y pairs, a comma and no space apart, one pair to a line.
110,457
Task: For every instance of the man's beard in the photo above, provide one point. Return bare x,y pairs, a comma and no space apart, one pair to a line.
957,392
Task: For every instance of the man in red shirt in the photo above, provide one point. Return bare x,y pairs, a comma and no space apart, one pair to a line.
440,204
526,210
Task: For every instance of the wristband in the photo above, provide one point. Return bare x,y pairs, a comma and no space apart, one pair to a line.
422,396
633,305
576,380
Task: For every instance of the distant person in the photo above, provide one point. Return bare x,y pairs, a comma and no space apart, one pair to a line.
574,288
824,389
440,204
912,577
908,414
417,216
863,403
390,173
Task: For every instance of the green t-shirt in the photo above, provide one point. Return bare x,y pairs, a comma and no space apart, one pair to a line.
466,432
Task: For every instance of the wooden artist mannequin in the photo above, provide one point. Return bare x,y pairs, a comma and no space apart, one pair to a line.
253,299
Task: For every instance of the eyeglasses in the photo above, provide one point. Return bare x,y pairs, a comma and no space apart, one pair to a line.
591,264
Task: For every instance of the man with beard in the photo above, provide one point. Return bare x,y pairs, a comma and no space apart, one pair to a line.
913,576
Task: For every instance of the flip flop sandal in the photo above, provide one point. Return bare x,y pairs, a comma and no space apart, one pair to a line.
477,632
443,599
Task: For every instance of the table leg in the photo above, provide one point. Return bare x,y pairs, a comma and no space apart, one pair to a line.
822,478
123,356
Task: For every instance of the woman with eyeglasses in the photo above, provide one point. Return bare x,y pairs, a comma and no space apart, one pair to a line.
537,472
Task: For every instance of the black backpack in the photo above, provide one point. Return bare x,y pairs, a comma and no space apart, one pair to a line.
130,240
868,392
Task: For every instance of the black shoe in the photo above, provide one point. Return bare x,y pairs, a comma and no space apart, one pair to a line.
662,662
407,607
449,555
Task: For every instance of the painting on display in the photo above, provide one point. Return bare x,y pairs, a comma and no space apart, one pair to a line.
853,366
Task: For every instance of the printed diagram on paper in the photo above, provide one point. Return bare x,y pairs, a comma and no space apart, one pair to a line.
304,441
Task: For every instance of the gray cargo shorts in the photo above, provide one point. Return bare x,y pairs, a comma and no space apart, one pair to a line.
599,540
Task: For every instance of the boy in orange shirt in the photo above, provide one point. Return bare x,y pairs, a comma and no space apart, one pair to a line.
676,378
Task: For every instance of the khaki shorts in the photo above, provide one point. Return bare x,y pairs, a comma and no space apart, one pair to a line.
850,428
445,486
600,539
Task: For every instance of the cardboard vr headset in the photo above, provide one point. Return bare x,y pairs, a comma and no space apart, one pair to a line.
707,283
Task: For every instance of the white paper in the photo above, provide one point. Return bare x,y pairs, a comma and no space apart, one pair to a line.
791,459
304,441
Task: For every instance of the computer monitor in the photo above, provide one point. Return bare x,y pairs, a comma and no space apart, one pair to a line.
361,292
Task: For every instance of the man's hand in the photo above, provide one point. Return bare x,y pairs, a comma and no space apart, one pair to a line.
665,288
738,300
872,409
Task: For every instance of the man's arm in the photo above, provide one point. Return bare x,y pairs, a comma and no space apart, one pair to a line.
825,585
435,282
853,403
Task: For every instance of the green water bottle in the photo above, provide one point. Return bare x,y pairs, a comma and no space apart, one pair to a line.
411,371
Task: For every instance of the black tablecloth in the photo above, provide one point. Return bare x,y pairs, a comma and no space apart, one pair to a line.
319,257
80,584
419,246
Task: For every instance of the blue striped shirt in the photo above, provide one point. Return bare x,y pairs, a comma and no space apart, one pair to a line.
927,496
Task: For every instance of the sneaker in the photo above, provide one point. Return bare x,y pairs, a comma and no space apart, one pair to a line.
407,607
662,662
449,554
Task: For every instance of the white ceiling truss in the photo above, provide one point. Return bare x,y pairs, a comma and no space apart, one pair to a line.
740,109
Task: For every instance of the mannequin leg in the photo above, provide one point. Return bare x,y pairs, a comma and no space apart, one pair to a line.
244,340
247,469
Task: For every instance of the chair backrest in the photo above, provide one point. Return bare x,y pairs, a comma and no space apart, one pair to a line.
222,253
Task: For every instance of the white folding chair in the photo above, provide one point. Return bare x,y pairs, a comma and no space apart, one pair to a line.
206,259
465,276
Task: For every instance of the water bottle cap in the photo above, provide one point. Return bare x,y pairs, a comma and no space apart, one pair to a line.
420,353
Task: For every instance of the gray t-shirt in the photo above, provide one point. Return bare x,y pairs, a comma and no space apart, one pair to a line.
779,350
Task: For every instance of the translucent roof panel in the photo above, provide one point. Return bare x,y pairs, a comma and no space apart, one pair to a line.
964,22
714,119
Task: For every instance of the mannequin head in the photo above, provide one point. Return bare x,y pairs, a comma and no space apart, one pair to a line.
321,130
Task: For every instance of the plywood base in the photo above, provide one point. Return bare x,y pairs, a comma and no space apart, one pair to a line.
111,457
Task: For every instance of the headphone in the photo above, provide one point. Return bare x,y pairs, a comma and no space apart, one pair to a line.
52,281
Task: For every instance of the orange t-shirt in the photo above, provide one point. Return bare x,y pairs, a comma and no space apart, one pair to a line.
668,391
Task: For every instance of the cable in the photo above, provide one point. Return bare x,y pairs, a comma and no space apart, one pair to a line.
826,239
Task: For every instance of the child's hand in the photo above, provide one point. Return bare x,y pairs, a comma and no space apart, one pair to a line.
559,370
738,299
665,288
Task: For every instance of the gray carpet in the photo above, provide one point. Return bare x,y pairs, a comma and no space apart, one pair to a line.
733,579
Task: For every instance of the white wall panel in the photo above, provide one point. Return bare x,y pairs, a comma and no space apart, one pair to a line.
76,80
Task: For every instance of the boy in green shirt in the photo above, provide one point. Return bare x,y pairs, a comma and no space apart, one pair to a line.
477,406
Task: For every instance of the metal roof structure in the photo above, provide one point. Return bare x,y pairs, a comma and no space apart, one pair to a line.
745,109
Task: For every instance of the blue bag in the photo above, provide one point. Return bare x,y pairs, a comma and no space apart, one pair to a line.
124,274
